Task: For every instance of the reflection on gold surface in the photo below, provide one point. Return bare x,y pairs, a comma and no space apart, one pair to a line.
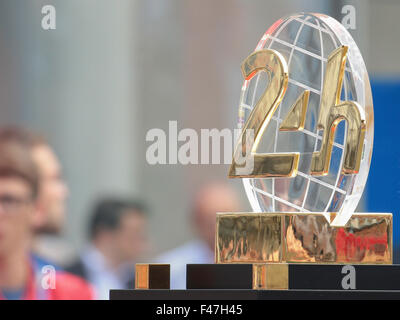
303,237
309,239
332,112
260,276
248,238
365,239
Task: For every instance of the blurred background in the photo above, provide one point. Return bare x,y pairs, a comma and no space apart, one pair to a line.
112,70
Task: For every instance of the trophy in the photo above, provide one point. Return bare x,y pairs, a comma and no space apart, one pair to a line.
306,120
303,154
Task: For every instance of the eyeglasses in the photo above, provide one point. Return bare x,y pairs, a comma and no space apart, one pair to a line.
10,203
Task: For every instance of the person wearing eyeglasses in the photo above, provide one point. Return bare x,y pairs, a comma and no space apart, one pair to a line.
47,245
20,276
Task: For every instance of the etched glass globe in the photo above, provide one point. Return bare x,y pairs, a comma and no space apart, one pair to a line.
305,41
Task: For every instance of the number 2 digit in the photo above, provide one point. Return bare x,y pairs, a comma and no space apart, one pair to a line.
276,164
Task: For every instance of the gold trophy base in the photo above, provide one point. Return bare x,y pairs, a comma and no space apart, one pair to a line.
303,238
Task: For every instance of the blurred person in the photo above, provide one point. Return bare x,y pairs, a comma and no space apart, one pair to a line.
118,237
20,276
210,199
52,194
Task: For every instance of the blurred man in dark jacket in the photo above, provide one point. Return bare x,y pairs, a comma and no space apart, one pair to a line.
118,237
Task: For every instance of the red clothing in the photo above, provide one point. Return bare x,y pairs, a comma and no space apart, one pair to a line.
70,287
67,287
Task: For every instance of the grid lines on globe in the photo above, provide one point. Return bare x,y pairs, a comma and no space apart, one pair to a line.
329,189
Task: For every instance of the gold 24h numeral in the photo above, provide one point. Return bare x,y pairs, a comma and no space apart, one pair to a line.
332,111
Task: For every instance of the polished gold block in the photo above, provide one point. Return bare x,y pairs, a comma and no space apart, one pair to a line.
270,276
303,237
259,276
249,238
152,276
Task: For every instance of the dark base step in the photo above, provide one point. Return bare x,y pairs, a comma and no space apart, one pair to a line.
252,295
295,276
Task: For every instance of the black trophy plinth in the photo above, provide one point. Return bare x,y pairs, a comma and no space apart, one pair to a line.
305,281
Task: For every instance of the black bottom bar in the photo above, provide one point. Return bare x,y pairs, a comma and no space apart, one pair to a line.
253,295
